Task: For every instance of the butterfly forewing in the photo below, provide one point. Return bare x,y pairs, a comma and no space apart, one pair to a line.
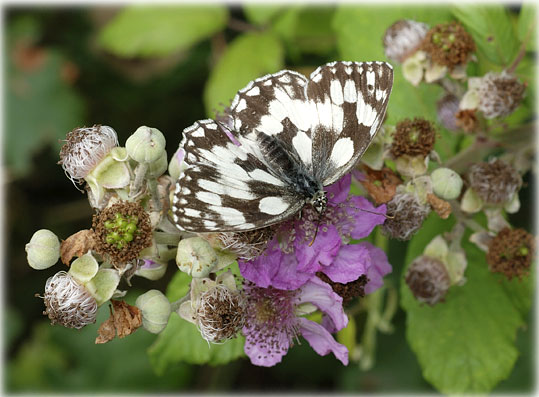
225,187
351,100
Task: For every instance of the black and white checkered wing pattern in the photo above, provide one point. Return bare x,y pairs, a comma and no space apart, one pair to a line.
350,101
275,106
226,187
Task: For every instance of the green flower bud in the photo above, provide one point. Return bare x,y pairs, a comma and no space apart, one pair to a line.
43,250
158,167
412,67
146,145
446,183
196,257
412,166
155,309
151,270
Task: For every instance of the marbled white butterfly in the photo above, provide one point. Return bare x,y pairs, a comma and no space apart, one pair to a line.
285,137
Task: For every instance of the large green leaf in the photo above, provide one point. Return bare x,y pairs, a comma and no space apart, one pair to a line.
491,30
181,342
360,29
261,14
149,31
467,343
41,105
248,57
527,25
306,29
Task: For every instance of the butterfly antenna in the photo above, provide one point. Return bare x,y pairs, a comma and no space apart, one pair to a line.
372,212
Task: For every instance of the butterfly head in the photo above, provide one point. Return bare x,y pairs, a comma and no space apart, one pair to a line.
319,201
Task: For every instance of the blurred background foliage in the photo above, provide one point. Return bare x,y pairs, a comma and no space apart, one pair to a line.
166,67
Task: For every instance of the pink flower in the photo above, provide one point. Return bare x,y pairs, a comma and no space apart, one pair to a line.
292,258
273,321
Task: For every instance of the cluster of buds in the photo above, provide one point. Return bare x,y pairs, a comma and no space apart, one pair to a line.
429,54
130,194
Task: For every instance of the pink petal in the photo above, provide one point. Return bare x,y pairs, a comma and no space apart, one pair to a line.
321,295
365,221
351,262
378,269
266,353
321,340
338,192
322,252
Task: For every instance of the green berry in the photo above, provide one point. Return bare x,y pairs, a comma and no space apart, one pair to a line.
115,236
128,237
133,219
131,228
109,224
109,239
122,223
523,251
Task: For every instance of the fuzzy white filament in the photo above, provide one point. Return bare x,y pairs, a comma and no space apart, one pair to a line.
69,303
85,148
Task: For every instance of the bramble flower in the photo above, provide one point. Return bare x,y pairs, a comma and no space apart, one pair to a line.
493,183
273,321
217,308
428,279
511,253
68,303
449,45
407,214
122,230
71,298
301,248
494,94
499,94
403,38
84,148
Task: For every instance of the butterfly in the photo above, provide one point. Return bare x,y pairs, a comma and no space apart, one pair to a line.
284,138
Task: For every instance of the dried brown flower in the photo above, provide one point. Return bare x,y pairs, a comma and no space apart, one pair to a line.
495,182
413,138
448,44
428,279
511,253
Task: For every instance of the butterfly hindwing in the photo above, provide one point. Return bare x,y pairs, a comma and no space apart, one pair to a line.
226,188
351,99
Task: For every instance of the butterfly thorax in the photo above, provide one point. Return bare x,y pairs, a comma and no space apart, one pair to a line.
319,201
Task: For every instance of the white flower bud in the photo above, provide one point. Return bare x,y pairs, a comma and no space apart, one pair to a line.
196,257
146,145
43,250
446,183
158,167
155,309
177,164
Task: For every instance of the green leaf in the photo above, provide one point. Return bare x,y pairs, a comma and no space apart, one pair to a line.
527,25
261,14
306,29
150,31
37,85
248,57
178,286
181,342
360,29
467,343
491,29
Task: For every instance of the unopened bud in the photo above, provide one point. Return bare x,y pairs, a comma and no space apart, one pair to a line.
196,257
43,250
155,309
146,145
446,183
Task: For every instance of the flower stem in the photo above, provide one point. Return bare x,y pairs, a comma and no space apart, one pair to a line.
166,238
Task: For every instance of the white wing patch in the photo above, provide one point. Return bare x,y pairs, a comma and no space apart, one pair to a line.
342,152
273,205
